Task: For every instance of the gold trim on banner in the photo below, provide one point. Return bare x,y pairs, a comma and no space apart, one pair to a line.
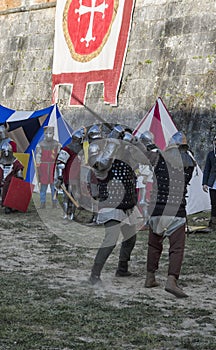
76,56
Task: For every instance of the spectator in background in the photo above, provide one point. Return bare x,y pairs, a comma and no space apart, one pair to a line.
209,182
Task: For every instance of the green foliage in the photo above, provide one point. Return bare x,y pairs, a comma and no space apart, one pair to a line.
148,61
197,57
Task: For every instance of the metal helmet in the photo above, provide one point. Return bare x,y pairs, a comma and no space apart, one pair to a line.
6,153
128,137
117,132
78,135
147,138
94,132
77,138
6,148
178,138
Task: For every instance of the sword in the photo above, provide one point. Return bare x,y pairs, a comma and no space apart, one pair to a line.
69,196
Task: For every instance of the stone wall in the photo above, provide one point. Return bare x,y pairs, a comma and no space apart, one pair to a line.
171,53
26,51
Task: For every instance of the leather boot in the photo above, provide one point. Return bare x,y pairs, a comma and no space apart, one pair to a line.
8,210
172,287
150,281
93,279
212,223
122,270
95,274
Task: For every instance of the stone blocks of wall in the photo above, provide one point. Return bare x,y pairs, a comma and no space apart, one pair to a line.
16,4
26,53
171,54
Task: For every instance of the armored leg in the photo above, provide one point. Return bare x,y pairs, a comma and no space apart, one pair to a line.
71,210
128,243
112,231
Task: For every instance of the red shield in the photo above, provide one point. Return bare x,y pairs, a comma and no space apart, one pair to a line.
18,195
86,25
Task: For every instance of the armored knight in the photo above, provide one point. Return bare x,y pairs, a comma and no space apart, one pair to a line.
144,178
46,153
117,197
4,139
67,171
9,167
173,169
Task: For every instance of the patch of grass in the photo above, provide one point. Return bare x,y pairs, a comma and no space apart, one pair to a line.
35,316
42,310
196,343
199,254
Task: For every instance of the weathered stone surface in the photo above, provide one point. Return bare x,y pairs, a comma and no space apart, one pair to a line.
171,53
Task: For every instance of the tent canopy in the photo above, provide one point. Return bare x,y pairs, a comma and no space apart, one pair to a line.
26,129
159,121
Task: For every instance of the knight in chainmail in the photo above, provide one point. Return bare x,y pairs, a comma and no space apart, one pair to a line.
117,198
4,139
10,167
173,169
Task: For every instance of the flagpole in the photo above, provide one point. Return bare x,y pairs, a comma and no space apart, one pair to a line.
92,112
36,169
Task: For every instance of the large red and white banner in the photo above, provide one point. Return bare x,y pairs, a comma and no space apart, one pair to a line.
91,39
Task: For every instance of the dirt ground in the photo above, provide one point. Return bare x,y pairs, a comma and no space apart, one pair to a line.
47,304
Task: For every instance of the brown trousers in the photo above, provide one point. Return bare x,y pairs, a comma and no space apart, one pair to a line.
176,251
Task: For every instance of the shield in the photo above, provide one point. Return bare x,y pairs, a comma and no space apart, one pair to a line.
18,195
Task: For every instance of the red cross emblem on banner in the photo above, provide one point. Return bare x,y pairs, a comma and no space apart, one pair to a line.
91,39
87,24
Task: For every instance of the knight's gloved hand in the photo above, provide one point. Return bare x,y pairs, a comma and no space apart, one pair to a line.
58,182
